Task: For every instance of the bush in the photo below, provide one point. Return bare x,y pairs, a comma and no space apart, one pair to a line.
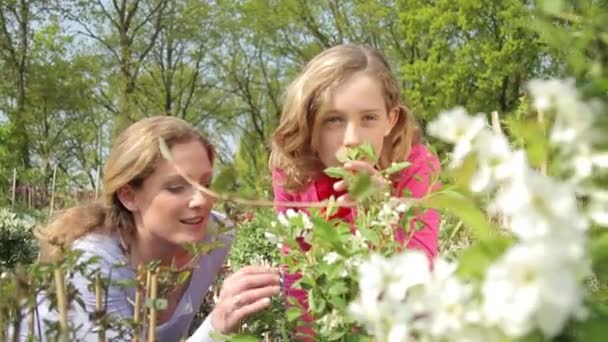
17,242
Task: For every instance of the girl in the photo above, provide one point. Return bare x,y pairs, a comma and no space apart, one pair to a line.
344,97
149,212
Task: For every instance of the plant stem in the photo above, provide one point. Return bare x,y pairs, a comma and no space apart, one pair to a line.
153,312
99,306
61,304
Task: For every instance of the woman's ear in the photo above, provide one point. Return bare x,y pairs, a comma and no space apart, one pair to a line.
393,117
126,196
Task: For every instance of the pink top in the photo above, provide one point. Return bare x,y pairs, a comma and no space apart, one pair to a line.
414,181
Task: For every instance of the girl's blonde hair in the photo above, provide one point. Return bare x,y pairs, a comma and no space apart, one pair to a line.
293,146
133,157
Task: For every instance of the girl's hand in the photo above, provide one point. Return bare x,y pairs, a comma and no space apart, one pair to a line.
359,166
244,293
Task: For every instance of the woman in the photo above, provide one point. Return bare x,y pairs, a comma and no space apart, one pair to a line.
150,212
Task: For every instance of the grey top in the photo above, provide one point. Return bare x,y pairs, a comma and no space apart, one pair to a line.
119,300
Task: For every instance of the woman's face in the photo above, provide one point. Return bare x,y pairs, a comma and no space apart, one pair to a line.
167,207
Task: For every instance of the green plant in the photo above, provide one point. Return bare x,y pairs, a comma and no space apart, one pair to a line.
17,242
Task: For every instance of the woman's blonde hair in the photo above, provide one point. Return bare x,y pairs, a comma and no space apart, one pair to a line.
134,156
293,146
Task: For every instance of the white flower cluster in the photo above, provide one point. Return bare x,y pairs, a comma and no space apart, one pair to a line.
573,134
289,219
390,213
400,297
538,284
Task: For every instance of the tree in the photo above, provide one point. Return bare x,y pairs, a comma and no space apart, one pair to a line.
16,20
127,30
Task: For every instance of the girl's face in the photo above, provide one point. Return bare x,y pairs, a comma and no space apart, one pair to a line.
166,208
356,114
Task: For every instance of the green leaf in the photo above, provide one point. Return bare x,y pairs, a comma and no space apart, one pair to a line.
599,256
461,176
463,207
292,314
395,167
343,156
554,7
361,186
367,152
337,172
592,329
370,235
337,289
182,277
324,234
474,261
243,338
158,303
532,136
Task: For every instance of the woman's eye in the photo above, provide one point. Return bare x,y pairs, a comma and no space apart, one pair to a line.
176,189
333,119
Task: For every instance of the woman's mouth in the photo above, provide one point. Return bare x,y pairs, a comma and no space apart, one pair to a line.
193,220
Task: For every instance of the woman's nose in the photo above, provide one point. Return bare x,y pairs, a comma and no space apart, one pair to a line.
198,199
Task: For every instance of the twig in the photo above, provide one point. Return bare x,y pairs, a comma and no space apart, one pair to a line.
53,190
97,182
146,297
153,312
99,305
61,303
454,232
31,322
138,300
543,165
244,201
14,188
496,123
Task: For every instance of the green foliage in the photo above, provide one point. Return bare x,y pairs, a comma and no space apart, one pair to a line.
454,56
17,242
251,246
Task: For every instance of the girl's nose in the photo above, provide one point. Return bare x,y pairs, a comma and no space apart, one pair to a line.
352,136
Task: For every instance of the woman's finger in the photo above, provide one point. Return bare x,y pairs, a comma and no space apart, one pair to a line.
249,276
249,309
252,296
252,281
255,269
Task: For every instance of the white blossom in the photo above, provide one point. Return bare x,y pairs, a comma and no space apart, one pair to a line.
584,160
539,206
529,287
457,127
496,161
331,258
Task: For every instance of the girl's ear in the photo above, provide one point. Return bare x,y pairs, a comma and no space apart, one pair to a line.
393,117
126,196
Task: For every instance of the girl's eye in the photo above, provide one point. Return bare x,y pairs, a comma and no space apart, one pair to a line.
370,117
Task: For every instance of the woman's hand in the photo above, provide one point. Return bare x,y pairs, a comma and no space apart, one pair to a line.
356,167
244,293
